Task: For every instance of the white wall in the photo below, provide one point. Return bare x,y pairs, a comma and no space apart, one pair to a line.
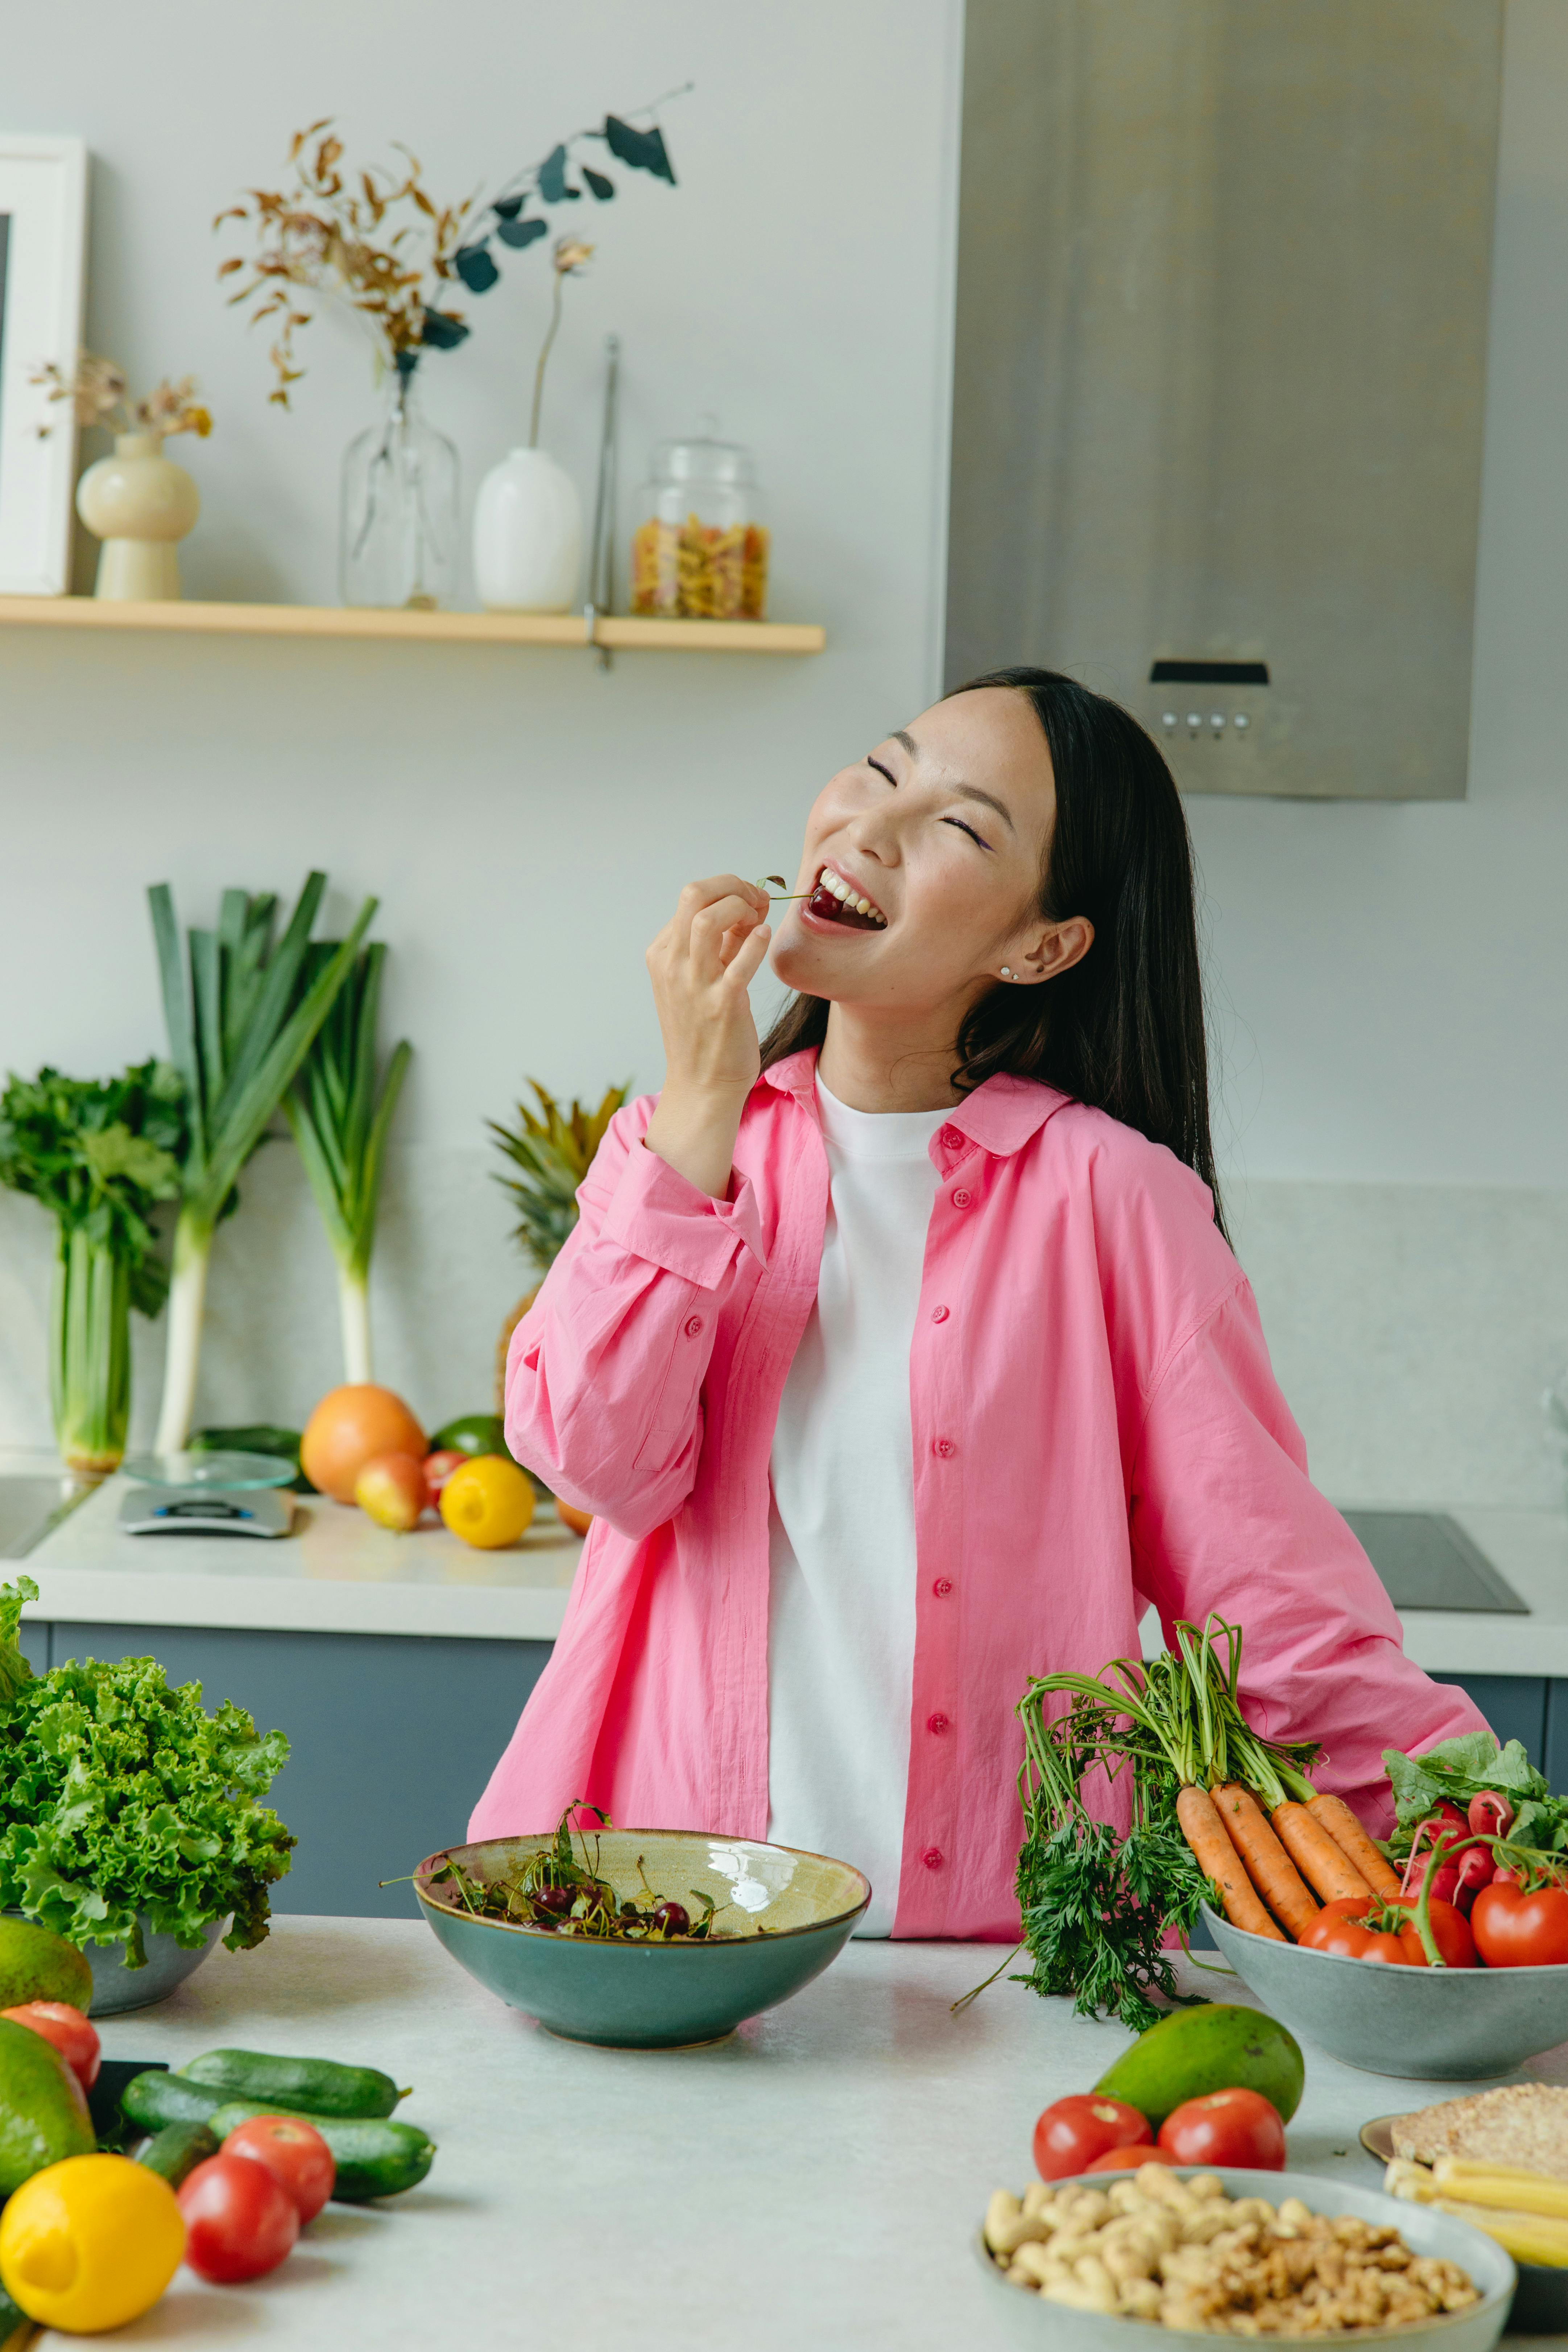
523,817
1389,980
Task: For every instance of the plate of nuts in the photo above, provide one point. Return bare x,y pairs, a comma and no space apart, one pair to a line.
1175,2252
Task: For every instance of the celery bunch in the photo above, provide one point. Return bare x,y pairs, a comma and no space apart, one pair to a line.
100,1157
340,1122
237,1035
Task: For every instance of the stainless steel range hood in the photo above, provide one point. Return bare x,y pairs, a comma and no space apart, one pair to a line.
1223,284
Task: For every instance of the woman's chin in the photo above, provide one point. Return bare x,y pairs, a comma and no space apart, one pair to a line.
808,965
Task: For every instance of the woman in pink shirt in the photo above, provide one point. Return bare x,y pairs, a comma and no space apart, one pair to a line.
902,1356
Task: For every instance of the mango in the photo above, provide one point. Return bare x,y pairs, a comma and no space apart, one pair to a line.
43,2108
1221,2046
38,1965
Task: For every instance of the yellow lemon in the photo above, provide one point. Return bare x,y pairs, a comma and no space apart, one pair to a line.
90,2243
488,1502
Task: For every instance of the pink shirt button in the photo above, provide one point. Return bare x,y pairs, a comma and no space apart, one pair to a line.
932,1857
693,1326
961,1199
945,1447
938,1313
952,1138
941,1588
937,1723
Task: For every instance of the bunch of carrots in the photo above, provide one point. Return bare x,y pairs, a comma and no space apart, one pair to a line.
1273,1846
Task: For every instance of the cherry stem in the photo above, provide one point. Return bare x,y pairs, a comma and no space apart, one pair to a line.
781,897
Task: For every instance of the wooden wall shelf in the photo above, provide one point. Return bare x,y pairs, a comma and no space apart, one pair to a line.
618,633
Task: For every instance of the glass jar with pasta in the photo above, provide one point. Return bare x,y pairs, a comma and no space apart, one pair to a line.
701,553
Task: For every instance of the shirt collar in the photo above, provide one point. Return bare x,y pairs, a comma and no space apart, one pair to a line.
1000,1116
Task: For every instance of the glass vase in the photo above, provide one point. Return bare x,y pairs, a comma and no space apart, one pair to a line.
89,1355
398,543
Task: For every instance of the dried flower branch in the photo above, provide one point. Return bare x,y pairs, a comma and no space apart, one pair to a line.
570,258
97,390
330,235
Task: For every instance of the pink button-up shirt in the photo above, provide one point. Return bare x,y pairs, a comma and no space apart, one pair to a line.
1096,1428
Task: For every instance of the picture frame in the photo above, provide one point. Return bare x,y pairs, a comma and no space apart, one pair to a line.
42,254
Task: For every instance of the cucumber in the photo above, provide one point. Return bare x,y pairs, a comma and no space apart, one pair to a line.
174,2152
310,2086
156,2098
375,2158
257,1437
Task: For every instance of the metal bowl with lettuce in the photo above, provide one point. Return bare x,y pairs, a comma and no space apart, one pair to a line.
132,1820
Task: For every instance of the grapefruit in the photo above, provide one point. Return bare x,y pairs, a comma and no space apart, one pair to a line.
349,1428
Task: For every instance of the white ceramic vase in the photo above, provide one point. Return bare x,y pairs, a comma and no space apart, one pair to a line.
528,536
140,504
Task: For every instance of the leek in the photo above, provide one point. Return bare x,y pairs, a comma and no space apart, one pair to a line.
340,1123
237,1037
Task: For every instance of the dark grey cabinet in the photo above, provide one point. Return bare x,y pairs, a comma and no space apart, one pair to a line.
392,1738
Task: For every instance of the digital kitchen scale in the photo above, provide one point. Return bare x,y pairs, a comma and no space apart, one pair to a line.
207,1494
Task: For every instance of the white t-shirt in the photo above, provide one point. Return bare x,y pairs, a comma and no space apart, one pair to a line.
841,1533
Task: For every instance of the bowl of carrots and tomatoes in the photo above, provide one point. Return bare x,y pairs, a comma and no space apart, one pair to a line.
1372,1962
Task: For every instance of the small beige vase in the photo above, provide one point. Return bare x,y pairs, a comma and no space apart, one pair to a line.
140,504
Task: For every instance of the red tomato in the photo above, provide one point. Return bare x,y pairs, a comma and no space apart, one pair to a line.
1128,2160
1450,1931
67,2028
1338,1928
1358,1928
1238,2128
239,2221
438,1468
294,2153
1516,1930
1072,2132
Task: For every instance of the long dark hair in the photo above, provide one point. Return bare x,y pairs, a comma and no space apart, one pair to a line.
1122,1030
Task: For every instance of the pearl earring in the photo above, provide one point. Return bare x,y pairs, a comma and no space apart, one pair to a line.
1007,972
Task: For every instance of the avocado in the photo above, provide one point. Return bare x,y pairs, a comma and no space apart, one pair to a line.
471,1432
38,1965
43,2108
1220,2047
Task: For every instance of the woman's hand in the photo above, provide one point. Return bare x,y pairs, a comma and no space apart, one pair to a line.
702,965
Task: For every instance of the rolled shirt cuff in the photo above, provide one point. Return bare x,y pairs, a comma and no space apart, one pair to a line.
657,1215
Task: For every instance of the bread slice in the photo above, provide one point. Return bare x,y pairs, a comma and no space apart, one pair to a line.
1524,2124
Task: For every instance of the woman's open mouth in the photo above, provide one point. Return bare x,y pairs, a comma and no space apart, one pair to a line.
834,900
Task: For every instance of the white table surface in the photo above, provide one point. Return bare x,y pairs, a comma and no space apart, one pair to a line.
337,1573
815,2181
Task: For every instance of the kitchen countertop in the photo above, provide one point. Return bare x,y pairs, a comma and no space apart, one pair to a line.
816,2179
340,1573
337,1573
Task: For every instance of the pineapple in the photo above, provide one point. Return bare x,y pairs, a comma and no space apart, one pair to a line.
553,1150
